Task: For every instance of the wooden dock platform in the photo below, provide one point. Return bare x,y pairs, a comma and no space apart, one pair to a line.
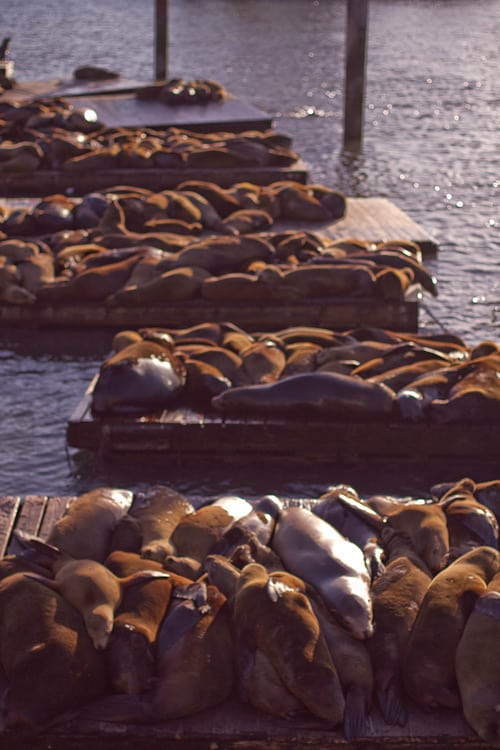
229,726
117,105
184,435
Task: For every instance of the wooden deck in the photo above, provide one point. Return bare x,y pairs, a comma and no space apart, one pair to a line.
337,314
229,726
181,435
117,106
47,181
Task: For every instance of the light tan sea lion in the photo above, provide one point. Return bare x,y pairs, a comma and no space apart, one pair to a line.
321,556
429,659
95,592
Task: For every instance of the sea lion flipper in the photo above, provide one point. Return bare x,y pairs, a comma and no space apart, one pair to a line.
391,705
49,582
141,576
356,717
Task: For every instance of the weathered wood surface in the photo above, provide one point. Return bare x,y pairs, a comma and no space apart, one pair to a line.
183,434
46,181
117,106
337,314
230,726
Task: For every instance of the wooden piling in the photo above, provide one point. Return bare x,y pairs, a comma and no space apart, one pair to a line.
161,40
354,85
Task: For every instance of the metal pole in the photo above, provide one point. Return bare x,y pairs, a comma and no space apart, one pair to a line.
357,22
161,40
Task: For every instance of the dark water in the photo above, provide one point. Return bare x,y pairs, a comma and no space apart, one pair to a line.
431,145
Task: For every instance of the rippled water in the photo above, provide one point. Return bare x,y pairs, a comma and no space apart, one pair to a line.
431,145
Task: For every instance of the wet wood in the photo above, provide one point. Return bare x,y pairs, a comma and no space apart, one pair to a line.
183,435
8,512
29,520
335,313
46,181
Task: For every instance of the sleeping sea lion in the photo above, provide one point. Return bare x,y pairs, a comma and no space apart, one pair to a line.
46,655
477,665
316,552
285,629
429,659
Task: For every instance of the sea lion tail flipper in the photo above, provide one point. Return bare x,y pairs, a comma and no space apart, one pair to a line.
391,705
356,713
49,582
141,576
119,708
26,542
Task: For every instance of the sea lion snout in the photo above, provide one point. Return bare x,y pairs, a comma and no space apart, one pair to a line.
100,625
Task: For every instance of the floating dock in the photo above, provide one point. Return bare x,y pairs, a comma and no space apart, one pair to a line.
231,725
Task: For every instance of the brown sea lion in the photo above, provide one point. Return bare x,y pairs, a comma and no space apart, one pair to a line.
130,652
163,288
312,549
396,595
46,655
196,534
428,665
470,524
154,515
94,591
222,254
85,530
285,628
477,665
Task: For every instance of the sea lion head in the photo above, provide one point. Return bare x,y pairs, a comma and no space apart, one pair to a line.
99,624
354,608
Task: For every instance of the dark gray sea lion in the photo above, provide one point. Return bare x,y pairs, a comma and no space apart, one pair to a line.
316,552
318,393
139,379
429,658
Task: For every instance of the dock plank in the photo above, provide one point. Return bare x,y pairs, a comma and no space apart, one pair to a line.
29,520
55,509
190,435
9,507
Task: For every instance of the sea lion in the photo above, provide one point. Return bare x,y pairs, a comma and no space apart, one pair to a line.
338,514
470,524
396,595
352,662
163,288
322,394
46,655
425,524
195,535
151,522
477,665
94,591
221,254
316,552
285,628
130,652
428,665
141,378
85,530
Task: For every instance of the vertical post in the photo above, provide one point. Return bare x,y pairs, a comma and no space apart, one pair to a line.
354,84
161,40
